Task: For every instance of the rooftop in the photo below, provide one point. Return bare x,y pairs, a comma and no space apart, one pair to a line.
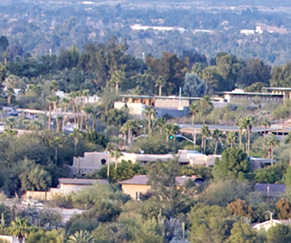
143,179
272,190
277,88
75,181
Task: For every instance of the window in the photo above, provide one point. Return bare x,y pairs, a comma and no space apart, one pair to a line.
103,161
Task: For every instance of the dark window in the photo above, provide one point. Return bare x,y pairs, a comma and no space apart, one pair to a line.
103,161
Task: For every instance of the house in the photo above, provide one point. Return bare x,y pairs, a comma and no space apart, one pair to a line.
270,223
285,92
239,96
95,160
137,185
65,187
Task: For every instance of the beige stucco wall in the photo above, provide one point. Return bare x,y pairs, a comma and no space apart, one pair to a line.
170,103
133,108
131,190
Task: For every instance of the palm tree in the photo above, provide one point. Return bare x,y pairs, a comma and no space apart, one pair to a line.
65,105
56,143
160,83
230,139
81,237
271,143
194,110
116,78
160,123
26,123
73,96
239,121
205,132
150,113
19,228
35,125
207,75
171,129
10,122
249,122
288,141
9,92
205,106
217,134
266,124
50,100
76,135
54,87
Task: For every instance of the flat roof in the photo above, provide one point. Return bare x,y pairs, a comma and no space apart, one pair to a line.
76,181
143,179
251,93
277,88
160,97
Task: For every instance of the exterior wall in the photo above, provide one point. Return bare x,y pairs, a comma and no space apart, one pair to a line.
134,108
132,190
248,99
170,103
10,239
90,162
203,160
68,188
172,112
42,196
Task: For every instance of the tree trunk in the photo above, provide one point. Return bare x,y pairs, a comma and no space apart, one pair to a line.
272,154
116,87
56,155
290,155
215,149
194,132
50,116
249,141
240,136
108,169
160,90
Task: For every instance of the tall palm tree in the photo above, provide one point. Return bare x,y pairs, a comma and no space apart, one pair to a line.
76,135
194,110
9,92
171,129
205,106
116,78
129,126
271,143
230,139
50,101
54,87
205,132
65,105
73,96
249,122
81,237
150,113
288,141
10,122
160,123
239,121
266,124
217,134
56,143
160,83
19,228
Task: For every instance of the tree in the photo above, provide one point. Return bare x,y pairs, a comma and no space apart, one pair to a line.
248,123
171,129
160,82
10,121
162,178
129,126
9,92
81,237
205,132
205,107
242,233
19,228
217,134
234,164
76,135
284,209
116,78
239,207
266,124
193,85
150,113
4,43
194,110
239,121
42,236
271,142
209,224
288,141
230,139
279,233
